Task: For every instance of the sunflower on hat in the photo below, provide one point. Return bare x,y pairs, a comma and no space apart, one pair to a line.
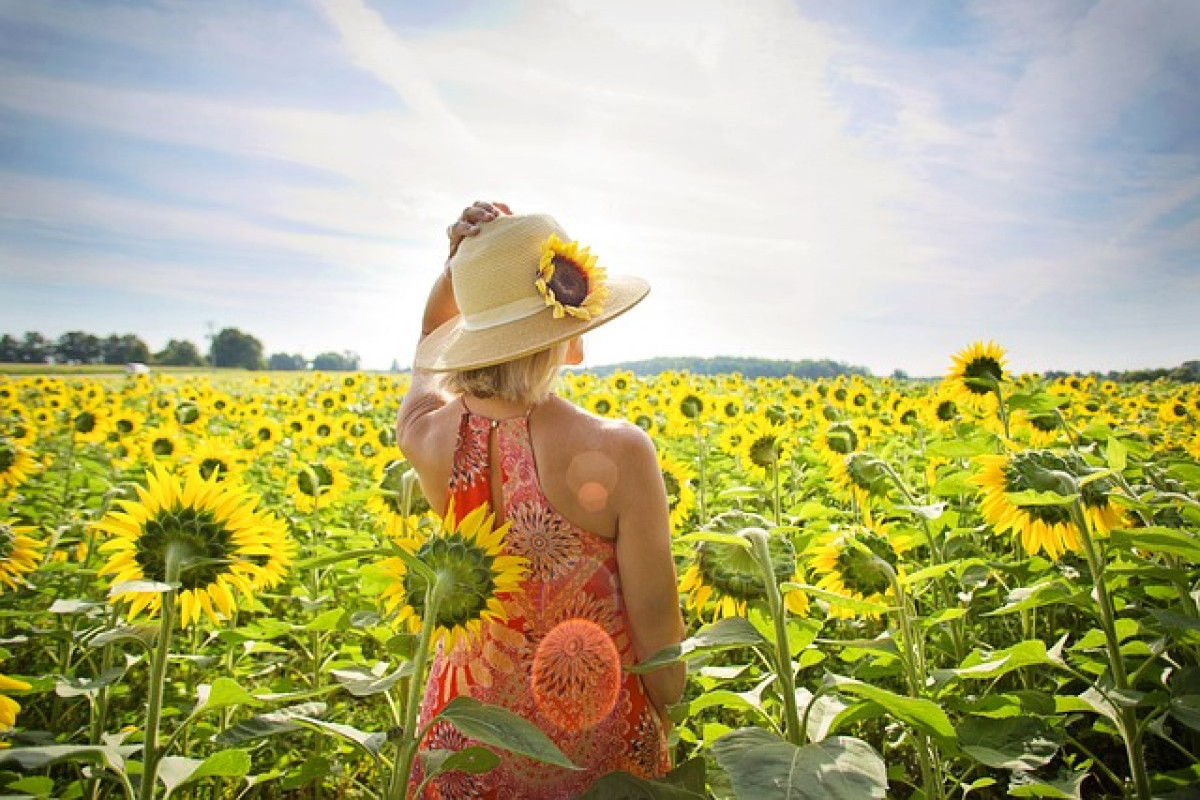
570,280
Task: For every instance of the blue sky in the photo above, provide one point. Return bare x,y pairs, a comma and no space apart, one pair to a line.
875,182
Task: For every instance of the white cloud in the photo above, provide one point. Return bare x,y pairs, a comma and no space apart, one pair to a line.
711,146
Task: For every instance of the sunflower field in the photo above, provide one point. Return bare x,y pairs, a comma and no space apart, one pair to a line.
224,585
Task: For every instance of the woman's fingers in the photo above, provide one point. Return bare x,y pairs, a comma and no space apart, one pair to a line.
470,220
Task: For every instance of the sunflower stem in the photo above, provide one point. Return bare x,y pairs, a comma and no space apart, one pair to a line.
775,470
760,546
410,737
914,666
701,458
1126,714
1001,408
151,753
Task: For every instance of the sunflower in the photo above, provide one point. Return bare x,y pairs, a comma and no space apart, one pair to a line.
469,555
217,458
679,478
863,476
264,435
16,464
164,443
1037,429
977,373
603,404
212,531
19,553
89,424
392,490
763,446
728,575
9,707
845,562
570,281
1039,526
318,483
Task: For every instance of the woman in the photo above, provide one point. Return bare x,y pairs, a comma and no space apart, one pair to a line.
584,497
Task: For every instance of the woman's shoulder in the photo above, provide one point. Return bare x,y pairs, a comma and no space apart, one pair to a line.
597,431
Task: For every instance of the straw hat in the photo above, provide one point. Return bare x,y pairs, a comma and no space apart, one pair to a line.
522,285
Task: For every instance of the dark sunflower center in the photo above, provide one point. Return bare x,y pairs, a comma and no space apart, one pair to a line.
85,422
981,374
569,283
733,572
205,541
643,421
321,473
8,457
213,465
1046,423
162,446
946,410
603,406
691,406
469,570
909,417
764,451
264,434
124,426
672,484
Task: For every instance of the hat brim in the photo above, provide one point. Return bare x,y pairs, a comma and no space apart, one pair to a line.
451,347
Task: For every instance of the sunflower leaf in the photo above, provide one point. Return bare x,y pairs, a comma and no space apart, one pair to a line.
222,693
261,726
471,760
1159,540
369,743
175,771
499,727
77,687
1022,743
361,683
1032,497
723,634
762,765
36,758
145,635
630,787
717,538
925,715
141,587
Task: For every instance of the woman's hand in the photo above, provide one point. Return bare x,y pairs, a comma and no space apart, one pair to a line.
470,221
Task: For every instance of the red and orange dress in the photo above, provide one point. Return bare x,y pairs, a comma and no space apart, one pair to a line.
572,575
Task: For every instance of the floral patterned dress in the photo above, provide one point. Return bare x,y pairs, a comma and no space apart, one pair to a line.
572,575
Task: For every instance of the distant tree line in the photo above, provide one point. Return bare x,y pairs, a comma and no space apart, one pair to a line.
1187,372
229,348
748,367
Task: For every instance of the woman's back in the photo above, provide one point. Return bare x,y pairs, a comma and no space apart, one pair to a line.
580,458
557,658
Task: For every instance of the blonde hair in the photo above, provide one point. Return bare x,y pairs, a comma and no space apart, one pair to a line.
524,380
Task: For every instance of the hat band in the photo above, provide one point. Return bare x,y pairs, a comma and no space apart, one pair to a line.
502,315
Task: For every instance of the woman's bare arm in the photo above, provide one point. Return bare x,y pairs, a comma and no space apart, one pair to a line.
647,566
423,394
